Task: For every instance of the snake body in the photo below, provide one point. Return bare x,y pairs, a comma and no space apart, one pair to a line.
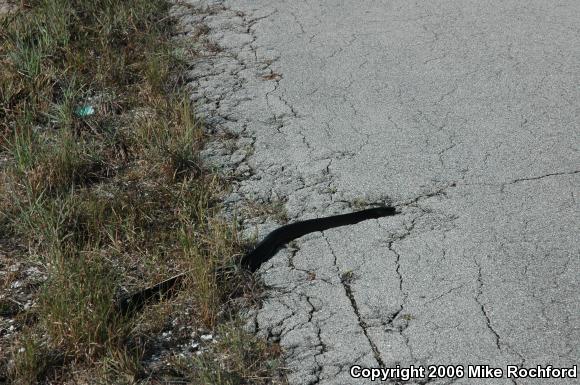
282,235
263,251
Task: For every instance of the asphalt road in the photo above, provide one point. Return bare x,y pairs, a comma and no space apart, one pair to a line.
465,115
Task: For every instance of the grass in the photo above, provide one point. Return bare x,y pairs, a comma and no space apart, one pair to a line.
101,188
242,358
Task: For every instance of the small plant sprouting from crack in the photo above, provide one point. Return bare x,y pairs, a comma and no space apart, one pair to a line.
272,76
346,277
273,209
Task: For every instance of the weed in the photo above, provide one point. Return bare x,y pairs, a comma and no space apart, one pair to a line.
274,209
347,277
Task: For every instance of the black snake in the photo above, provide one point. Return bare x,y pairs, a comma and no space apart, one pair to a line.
263,251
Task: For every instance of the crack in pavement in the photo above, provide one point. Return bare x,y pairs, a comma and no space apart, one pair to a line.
488,324
345,279
323,348
348,290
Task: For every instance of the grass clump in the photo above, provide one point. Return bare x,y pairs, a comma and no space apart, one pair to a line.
101,186
34,360
242,359
76,313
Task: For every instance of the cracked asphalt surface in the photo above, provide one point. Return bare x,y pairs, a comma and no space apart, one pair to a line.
463,114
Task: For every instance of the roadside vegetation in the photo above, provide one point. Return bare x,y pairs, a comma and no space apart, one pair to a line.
102,192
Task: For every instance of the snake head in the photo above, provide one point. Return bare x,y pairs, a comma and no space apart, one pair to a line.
384,211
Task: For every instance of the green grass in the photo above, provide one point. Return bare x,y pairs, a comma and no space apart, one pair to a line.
116,198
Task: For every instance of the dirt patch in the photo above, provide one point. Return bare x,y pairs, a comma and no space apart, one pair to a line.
7,7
